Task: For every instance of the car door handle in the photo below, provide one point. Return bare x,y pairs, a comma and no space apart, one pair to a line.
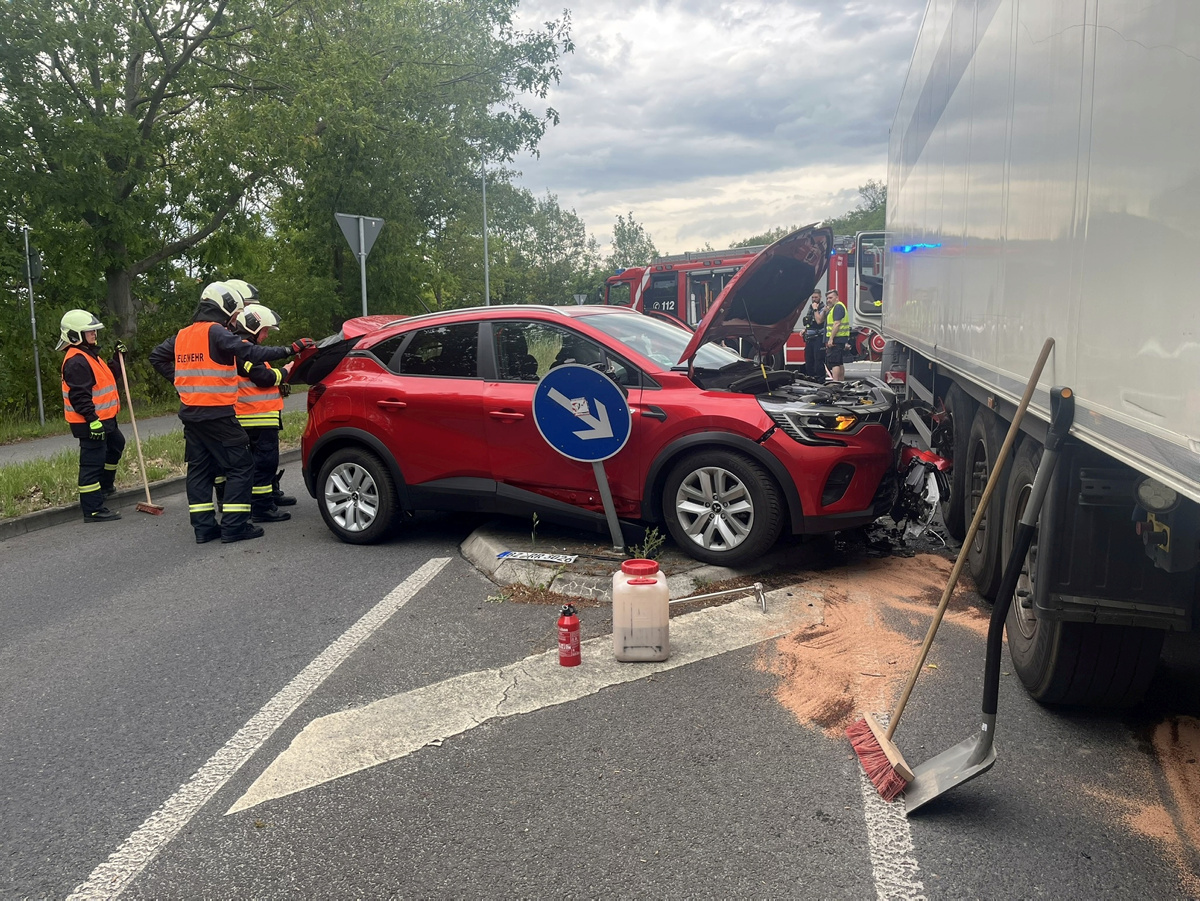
506,415
655,413
391,404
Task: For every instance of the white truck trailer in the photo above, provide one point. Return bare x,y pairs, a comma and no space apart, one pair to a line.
1044,181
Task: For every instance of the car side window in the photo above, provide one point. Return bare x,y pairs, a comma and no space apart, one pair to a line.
386,351
446,350
574,348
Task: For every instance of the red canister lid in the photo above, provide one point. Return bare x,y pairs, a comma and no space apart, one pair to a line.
639,567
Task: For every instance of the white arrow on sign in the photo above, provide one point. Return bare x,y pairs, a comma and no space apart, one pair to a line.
599,427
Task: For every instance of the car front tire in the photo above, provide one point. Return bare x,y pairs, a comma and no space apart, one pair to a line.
357,496
721,507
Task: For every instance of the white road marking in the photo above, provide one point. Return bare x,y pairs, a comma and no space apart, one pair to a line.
896,871
112,877
350,741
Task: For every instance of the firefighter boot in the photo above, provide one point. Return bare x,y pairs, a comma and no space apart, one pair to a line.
277,495
268,514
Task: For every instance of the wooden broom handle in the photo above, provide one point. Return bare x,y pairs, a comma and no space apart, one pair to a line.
997,465
133,421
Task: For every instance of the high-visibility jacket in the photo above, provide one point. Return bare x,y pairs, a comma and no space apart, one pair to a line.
259,407
200,380
104,394
837,328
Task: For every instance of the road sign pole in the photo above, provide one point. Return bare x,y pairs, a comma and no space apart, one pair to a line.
37,366
362,264
610,509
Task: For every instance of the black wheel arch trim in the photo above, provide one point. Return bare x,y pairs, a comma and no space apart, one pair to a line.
347,437
657,474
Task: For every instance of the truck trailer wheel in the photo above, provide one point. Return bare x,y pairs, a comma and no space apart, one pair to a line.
960,410
984,555
1061,662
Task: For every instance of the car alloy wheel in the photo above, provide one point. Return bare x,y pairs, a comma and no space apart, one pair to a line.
358,497
721,507
352,497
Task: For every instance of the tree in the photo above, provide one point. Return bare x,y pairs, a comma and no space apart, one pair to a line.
869,215
767,237
137,131
631,244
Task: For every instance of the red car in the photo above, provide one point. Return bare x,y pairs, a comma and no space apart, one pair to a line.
434,412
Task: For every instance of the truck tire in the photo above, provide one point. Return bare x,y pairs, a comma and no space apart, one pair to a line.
1088,664
984,555
960,410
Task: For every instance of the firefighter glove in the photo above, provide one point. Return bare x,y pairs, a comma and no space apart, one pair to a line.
303,344
121,348
96,430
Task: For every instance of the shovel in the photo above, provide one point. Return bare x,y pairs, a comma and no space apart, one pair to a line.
148,506
976,755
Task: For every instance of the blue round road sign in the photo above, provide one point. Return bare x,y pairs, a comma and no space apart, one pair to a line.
581,413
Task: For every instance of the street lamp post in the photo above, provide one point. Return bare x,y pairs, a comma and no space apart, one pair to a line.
37,366
487,288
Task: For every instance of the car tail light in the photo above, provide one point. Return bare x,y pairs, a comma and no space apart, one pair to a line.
896,377
314,395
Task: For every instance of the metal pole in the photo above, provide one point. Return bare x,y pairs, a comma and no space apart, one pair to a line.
610,509
362,263
487,288
37,366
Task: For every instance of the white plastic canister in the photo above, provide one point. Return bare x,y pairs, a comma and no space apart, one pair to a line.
641,612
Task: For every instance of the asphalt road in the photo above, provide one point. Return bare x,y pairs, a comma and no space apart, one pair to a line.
132,659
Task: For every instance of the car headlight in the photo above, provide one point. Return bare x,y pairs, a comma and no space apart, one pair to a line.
806,425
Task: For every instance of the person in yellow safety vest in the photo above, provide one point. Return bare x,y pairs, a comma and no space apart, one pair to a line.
259,409
837,336
90,405
202,360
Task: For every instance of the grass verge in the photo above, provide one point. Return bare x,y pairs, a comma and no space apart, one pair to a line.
54,482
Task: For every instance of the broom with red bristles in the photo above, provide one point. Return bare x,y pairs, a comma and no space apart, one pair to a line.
881,759
148,506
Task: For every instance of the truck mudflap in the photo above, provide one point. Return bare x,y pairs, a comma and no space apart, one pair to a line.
1092,565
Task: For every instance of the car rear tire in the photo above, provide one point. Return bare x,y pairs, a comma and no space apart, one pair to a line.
357,496
1090,664
722,507
960,410
983,556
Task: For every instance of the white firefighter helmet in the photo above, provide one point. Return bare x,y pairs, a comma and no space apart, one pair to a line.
254,317
224,298
74,323
248,292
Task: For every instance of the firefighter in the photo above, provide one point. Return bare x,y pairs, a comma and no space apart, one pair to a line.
250,295
259,409
837,336
90,405
202,362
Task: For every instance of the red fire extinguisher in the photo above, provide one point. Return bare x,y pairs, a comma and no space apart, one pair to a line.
568,637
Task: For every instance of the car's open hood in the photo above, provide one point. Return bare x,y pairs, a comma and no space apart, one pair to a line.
764,299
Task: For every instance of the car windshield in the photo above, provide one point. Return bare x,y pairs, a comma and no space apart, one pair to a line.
660,341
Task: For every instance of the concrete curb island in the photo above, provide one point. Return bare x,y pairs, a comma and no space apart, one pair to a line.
486,542
122,499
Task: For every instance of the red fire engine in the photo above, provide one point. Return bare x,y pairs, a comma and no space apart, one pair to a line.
683,286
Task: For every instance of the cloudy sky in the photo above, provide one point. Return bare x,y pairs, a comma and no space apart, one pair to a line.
713,120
